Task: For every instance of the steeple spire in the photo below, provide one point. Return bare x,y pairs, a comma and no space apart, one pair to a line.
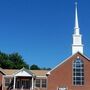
77,45
76,20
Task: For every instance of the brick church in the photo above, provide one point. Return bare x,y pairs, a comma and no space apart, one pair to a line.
71,74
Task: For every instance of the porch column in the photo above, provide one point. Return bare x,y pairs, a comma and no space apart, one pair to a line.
14,82
32,83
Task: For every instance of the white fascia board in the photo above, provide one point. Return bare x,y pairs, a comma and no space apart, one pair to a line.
58,65
85,56
65,61
23,73
41,76
7,75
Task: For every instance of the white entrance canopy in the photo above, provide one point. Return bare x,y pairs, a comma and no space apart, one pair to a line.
24,72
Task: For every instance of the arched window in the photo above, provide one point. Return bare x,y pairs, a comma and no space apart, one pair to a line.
78,72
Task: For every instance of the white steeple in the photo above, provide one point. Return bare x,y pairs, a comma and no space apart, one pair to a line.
76,21
77,45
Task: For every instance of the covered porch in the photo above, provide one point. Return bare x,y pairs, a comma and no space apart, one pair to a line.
23,80
24,83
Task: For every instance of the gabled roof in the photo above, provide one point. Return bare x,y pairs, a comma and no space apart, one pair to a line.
35,72
40,72
66,60
24,72
10,71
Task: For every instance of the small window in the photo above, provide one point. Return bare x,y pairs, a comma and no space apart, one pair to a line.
44,82
7,81
41,83
37,82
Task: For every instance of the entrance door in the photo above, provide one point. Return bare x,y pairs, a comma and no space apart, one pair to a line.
26,83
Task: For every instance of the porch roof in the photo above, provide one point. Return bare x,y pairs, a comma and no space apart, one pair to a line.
24,72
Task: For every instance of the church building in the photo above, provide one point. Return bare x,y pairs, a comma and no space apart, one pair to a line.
71,74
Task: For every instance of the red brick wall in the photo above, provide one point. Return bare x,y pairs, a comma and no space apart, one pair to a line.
0,77
1,80
62,75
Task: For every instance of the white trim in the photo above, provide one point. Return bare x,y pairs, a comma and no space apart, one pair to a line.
23,73
66,60
79,72
14,82
26,70
32,83
59,65
62,88
41,76
41,83
7,75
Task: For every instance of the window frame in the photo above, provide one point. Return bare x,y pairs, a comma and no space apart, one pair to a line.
78,72
41,83
7,81
38,84
44,84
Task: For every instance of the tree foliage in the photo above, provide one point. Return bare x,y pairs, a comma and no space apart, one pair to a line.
15,61
12,61
34,67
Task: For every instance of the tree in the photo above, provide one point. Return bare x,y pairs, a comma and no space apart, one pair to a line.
12,61
7,64
3,58
34,67
46,68
15,61
18,61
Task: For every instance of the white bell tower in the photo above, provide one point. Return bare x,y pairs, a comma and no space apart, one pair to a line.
77,45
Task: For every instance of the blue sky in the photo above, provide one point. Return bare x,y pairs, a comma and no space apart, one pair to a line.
41,30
